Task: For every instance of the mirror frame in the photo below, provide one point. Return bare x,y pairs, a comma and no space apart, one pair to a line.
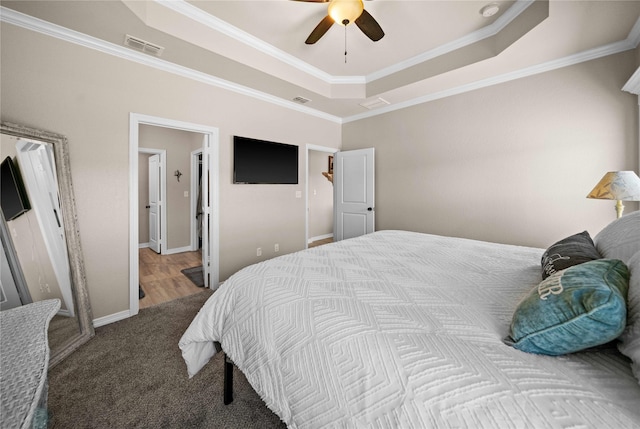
72,236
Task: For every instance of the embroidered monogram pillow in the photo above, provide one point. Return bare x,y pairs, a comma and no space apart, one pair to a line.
574,309
573,250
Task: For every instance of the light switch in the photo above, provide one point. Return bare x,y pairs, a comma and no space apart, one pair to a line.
186,194
298,194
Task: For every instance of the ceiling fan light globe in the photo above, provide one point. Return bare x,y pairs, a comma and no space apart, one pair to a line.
345,11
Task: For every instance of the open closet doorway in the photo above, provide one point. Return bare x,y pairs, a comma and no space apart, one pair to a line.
319,204
180,263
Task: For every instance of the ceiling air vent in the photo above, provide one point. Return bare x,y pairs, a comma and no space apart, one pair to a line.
143,45
301,100
375,103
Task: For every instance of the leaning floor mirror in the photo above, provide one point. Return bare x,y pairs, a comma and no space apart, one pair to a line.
40,236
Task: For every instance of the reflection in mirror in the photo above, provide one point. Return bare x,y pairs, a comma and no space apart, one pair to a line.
40,236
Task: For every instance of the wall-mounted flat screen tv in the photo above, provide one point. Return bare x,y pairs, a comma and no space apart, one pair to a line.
263,162
13,196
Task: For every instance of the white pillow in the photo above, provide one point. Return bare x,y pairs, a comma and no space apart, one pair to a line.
620,239
630,338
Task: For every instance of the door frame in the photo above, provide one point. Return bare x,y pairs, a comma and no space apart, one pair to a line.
210,134
310,147
194,198
163,194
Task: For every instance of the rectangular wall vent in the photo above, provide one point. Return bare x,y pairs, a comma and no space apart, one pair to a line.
301,100
375,103
143,45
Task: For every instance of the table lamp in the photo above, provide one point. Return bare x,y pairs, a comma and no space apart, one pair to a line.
617,185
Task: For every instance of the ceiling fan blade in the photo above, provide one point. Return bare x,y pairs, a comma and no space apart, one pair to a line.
369,26
319,31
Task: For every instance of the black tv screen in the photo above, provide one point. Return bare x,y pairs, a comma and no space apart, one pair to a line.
13,196
263,162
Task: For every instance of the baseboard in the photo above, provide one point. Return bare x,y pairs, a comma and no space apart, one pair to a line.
168,251
320,237
63,313
116,317
177,250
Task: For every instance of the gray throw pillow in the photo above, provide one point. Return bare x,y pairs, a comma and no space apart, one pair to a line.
573,250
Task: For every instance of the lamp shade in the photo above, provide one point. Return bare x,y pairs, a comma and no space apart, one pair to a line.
617,185
345,11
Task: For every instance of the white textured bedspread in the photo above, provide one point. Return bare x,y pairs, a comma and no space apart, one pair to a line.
404,330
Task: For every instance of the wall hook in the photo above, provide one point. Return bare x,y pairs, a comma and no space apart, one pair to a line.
177,174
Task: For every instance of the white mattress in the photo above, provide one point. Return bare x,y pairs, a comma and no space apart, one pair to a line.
404,330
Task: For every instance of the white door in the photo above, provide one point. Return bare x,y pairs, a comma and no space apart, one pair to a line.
154,203
37,163
353,180
206,208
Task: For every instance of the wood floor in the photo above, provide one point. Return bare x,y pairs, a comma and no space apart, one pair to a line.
161,279
321,242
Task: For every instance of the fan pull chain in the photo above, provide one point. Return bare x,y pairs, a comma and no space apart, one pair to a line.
345,42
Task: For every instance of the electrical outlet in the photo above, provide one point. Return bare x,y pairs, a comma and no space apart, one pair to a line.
276,247
44,288
259,251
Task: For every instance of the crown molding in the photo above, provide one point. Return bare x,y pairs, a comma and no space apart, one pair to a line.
471,38
35,24
631,42
633,84
190,11
28,22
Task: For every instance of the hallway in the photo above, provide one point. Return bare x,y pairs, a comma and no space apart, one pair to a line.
161,279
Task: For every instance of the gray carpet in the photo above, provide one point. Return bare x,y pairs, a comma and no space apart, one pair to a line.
131,375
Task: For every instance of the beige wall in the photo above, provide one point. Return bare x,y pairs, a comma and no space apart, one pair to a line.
320,196
178,145
88,96
510,163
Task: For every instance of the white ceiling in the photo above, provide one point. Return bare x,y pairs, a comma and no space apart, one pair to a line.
430,48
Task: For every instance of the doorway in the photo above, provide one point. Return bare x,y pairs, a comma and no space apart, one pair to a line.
319,203
160,267
210,189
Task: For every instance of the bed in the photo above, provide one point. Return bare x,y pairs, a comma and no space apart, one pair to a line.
401,329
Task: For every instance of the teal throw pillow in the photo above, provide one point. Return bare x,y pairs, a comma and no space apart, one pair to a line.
580,307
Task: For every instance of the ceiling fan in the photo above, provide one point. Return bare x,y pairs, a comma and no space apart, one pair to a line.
345,12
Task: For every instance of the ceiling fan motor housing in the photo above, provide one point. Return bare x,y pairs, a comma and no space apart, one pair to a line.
345,11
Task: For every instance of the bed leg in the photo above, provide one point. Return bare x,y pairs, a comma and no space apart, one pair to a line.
228,380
